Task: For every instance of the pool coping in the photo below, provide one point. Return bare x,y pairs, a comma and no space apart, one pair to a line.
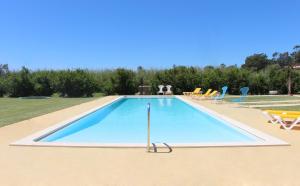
267,140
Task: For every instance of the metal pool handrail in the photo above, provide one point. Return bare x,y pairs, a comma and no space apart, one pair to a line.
148,140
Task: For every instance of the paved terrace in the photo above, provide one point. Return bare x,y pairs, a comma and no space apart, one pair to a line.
272,165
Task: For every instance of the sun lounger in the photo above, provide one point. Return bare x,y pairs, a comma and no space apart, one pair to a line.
282,112
206,95
269,114
281,119
244,92
195,92
221,97
287,119
212,95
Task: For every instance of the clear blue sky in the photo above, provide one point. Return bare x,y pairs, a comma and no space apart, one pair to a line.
57,34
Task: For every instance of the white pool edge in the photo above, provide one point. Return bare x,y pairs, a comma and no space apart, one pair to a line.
267,140
270,140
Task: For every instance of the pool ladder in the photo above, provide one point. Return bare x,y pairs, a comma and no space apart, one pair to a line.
148,135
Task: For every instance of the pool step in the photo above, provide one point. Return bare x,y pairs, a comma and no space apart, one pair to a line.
161,148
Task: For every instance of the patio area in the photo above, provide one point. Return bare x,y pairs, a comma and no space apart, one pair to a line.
267,165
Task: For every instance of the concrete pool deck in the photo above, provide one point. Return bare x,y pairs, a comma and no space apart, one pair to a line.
266,165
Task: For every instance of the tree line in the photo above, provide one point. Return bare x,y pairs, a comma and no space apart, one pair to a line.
259,72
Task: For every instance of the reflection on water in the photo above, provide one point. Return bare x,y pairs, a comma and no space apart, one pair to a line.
169,102
165,102
161,102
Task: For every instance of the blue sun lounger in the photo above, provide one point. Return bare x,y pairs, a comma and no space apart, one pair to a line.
244,92
221,97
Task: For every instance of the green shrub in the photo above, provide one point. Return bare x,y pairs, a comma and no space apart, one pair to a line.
123,82
76,83
2,86
20,83
258,83
43,83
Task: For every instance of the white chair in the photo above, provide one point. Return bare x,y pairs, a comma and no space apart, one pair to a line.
169,91
160,92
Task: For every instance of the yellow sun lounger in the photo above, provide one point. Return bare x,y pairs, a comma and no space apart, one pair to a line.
282,112
211,95
207,93
269,114
283,118
195,92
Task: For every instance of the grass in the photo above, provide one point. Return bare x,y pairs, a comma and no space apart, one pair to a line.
266,98
293,108
271,98
273,103
13,110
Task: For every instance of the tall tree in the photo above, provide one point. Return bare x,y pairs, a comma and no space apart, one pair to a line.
3,69
296,54
288,61
3,76
256,62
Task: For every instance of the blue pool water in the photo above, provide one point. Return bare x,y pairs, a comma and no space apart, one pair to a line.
125,121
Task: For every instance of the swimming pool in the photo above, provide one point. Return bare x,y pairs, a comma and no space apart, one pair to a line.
174,121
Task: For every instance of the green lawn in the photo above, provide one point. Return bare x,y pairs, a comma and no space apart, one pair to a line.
272,103
266,98
16,109
271,98
293,108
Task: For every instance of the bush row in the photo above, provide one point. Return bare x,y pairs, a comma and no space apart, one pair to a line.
80,83
76,83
